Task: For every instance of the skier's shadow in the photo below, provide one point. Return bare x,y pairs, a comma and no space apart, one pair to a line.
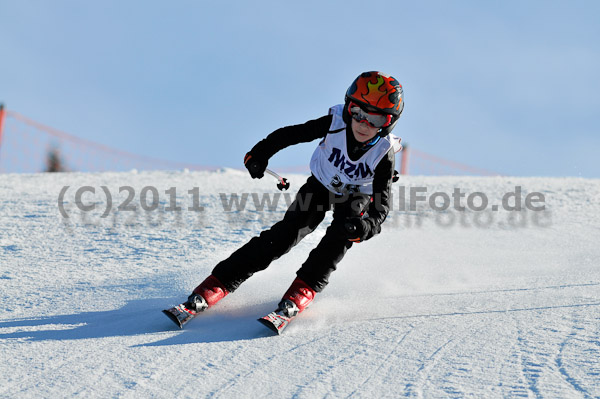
137,318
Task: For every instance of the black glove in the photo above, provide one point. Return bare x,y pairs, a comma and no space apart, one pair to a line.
356,229
256,165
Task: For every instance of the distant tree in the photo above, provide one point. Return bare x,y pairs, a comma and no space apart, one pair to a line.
54,161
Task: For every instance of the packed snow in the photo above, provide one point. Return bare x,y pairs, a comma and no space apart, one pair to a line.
443,303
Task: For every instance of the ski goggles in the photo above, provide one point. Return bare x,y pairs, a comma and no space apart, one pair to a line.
372,119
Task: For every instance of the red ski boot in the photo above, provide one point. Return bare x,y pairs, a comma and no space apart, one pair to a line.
295,300
300,294
211,290
204,296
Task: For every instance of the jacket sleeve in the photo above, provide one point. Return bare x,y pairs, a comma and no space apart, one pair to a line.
290,135
382,193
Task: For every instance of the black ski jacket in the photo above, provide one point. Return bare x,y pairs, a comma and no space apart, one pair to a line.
318,129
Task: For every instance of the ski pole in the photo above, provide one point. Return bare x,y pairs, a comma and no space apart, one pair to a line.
283,182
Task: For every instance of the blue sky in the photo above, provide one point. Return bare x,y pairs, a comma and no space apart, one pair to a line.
508,86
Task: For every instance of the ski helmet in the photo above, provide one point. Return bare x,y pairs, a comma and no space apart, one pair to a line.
376,92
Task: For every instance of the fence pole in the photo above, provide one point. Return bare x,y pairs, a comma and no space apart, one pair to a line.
404,161
2,117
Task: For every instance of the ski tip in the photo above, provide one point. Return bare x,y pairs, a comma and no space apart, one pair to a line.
173,318
270,325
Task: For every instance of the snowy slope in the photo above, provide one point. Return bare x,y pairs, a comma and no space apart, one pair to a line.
441,304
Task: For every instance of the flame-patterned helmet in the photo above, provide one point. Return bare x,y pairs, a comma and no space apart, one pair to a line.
376,92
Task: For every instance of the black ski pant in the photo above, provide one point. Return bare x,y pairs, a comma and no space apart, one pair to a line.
302,218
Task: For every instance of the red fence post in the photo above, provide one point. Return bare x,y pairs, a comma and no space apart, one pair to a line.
404,161
2,117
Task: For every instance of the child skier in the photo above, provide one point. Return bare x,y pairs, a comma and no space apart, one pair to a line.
352,171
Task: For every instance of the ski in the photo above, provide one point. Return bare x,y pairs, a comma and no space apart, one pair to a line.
277,321
180,314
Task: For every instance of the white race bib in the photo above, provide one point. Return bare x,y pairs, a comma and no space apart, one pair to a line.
332,166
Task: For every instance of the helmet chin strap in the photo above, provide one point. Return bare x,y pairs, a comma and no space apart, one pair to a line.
372,141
